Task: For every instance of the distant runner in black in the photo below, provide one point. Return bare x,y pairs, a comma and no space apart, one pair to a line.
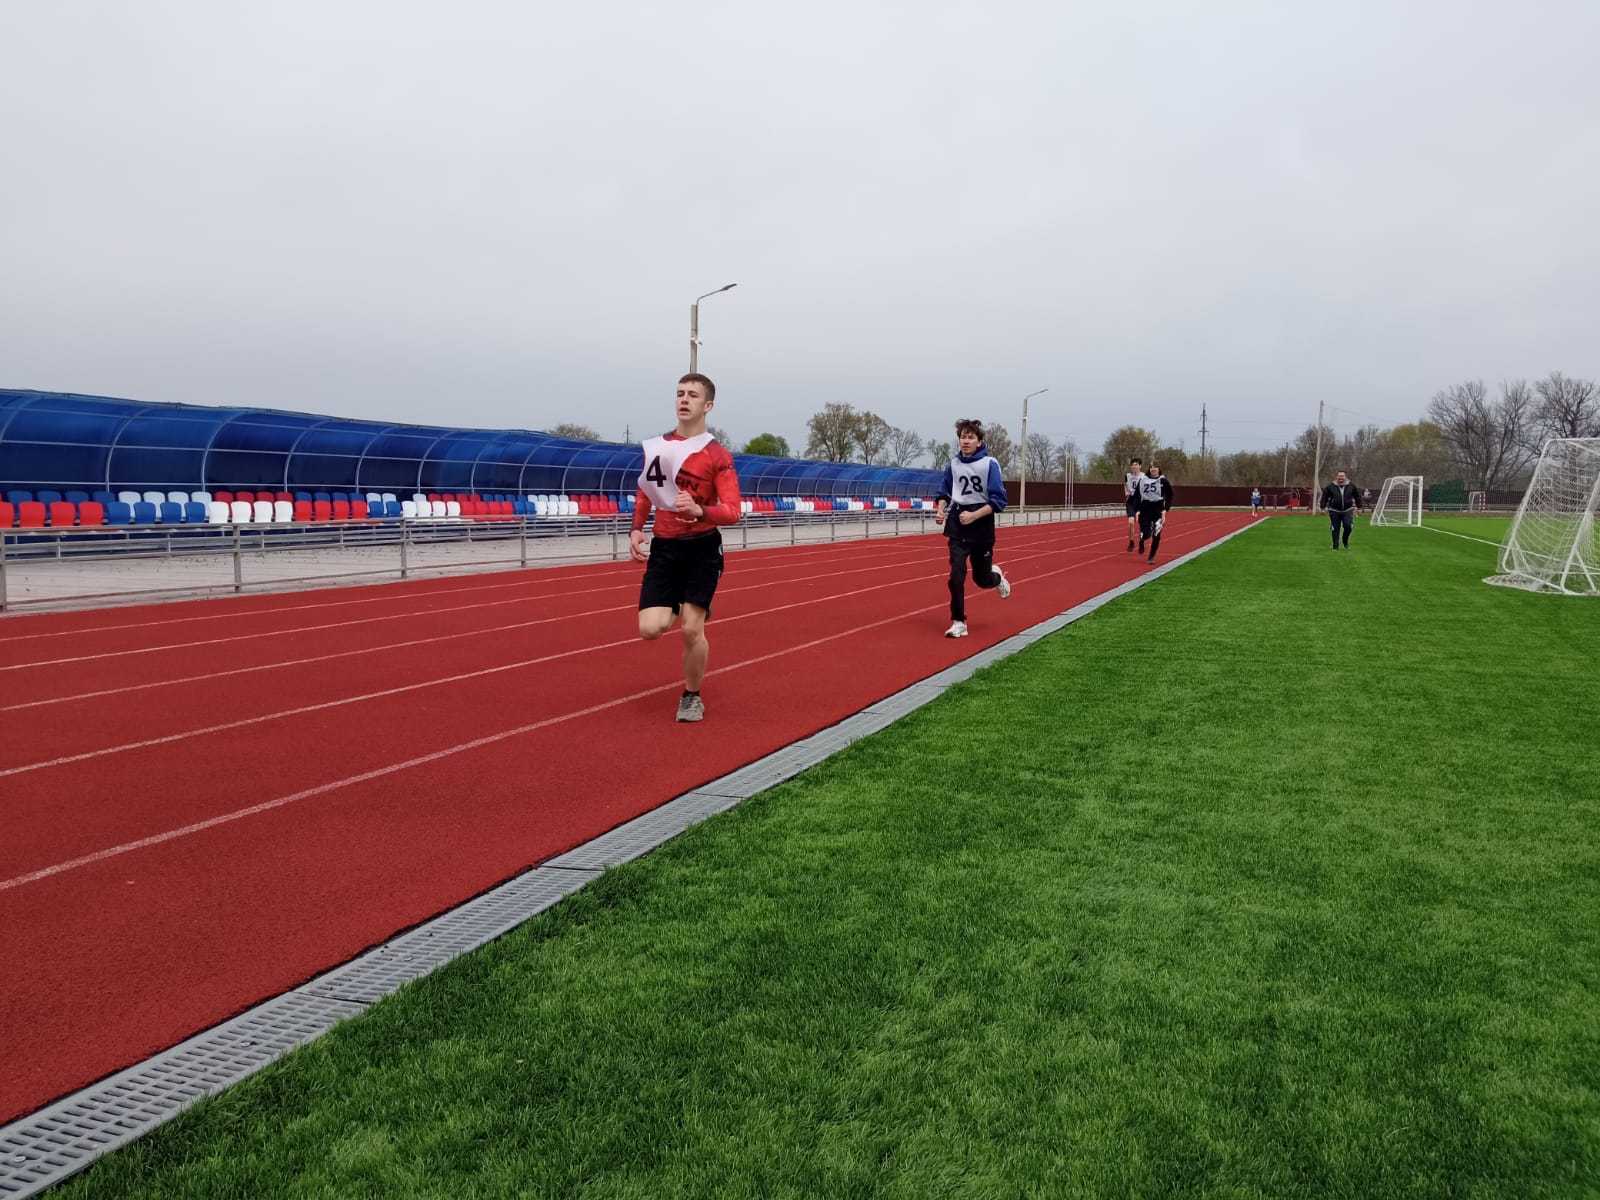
1341,499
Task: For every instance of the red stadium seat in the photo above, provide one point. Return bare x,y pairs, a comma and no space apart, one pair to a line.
341,510
63,514
91,512
222,497
358,509
8,514
322,510
30,514
302,510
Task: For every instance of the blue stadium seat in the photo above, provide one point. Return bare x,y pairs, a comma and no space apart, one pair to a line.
103,497
170,512
119,512
302,497
19,497
144,513
195,512
48,497
78,497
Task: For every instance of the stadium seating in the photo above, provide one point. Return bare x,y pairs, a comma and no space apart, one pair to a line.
119,512
144,513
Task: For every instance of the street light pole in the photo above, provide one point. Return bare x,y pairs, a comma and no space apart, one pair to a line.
1022,477
694,325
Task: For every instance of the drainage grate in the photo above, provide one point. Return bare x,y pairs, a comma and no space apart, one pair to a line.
645,832
40,1151
412,955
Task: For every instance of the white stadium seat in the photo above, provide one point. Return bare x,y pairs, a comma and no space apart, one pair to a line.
217,512
263,512
282,510
241,512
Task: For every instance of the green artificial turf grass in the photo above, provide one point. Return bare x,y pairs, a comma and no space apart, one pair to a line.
1275,878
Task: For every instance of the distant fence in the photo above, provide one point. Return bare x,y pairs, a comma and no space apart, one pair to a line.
104,565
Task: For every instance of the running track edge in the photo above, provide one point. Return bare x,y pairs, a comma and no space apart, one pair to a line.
40,1150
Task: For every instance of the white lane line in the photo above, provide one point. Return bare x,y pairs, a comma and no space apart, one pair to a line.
421,760
434,756
387,646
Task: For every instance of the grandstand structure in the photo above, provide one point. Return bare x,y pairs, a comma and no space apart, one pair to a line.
70,460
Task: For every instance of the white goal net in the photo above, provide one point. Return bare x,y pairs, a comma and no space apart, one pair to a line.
1552,545
1400,502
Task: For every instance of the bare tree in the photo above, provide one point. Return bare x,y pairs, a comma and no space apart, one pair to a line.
833,433
1042,457
903,449
1566,408
580,433
720,435
1488,440
872,435
939,452
1001,448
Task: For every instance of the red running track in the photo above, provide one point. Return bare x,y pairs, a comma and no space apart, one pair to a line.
206,804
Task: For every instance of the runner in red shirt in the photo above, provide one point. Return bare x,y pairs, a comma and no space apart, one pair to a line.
689,480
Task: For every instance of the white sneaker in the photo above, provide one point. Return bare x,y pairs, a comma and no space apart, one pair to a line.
1005,584
957,629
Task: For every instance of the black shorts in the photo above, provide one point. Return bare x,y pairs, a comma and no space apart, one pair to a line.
1133,506
682,571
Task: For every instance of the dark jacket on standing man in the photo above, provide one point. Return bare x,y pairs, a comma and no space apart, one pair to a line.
1341,497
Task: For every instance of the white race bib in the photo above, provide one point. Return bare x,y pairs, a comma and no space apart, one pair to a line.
1150,489
663,458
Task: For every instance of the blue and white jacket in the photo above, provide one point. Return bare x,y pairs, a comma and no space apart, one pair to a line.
970,483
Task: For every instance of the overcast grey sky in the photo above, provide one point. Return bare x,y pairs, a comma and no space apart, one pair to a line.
495,214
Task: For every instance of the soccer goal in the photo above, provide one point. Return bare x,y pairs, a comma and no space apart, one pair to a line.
1400,502
1478,502
1553,544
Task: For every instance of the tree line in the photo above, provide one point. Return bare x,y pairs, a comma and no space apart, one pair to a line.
1490,442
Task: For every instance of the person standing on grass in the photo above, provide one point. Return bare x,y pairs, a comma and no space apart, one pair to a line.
1130,493
973,491
689,479
1155,501
1341,500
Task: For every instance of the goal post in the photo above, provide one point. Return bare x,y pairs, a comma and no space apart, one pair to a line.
1553,544
1400,501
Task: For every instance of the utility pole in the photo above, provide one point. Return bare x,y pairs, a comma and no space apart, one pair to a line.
1316,470
1203,465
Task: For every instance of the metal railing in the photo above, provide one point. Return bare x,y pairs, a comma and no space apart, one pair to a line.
62,568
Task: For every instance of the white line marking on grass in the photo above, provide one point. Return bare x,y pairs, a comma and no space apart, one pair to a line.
1467,536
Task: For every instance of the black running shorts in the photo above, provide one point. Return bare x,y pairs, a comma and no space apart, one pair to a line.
1132,506
682,571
